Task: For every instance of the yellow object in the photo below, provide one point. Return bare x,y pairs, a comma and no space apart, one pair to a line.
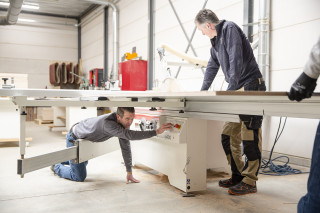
130,56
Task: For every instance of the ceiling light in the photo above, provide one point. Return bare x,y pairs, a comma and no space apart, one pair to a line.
30,6
6,4
26,20
24,6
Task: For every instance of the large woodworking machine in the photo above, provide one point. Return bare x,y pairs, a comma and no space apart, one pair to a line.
184,159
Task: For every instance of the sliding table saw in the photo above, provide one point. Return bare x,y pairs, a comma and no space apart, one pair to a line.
179,153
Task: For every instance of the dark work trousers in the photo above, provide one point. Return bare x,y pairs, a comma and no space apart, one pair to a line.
248,132
310,203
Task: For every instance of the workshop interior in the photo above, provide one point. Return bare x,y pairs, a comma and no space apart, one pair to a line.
63,61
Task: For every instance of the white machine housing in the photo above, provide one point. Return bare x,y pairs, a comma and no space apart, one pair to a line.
179,153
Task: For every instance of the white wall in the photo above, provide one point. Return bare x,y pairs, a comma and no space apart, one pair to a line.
297,137
31,48
20,80
92,43
133,25
294,30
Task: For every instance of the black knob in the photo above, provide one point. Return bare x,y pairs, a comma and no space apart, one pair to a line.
5,80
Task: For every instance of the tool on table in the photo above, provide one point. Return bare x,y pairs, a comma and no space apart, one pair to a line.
84,82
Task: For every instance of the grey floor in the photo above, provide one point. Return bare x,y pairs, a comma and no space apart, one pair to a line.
105,189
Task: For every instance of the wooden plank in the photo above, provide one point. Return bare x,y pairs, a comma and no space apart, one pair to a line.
55,126
190,59
13,139
40,122
251,93
52,127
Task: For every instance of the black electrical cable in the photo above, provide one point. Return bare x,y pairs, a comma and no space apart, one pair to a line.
270,168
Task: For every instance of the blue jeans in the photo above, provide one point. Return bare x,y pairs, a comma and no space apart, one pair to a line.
310,203
75,172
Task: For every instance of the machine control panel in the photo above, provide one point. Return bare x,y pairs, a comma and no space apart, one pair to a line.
177,134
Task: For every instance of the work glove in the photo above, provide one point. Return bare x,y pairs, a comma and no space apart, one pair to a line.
302,88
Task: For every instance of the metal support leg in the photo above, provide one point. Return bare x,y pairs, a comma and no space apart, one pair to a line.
151,27
22,141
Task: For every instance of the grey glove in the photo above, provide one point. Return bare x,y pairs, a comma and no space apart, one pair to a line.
302,88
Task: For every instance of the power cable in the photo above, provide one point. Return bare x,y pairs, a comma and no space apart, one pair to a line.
270,168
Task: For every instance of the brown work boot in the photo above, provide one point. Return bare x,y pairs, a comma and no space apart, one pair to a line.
242,189
227,183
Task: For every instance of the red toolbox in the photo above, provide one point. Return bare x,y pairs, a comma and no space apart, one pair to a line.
133,75
96,77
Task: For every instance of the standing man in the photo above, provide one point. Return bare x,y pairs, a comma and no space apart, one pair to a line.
100,129
303,88
232,51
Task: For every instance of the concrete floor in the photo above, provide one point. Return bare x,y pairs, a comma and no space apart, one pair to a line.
105,189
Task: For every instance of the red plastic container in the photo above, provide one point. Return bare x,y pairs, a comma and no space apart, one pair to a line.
133,75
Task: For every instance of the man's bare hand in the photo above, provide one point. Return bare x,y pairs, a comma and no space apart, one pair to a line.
164,127
131,178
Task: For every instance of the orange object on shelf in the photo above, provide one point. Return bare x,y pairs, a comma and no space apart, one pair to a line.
177,126
130,56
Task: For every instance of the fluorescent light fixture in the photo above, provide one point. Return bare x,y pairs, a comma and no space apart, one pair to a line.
29,6
26,20
6,4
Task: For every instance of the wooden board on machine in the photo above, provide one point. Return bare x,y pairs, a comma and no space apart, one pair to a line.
193,60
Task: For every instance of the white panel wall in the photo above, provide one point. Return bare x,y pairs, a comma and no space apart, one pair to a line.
92,44
30,48
20,80
296,139
133,25
293,33
294,30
